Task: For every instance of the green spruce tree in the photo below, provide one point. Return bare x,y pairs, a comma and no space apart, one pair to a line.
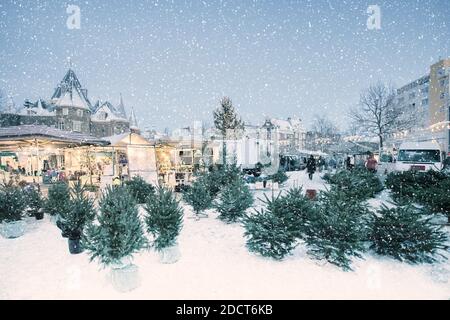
279,177
35,202
80,212
58,199
227,122
294,208
404,234
233,201
338,228
140,189
12,203
199,197
268,233
164,218
118,232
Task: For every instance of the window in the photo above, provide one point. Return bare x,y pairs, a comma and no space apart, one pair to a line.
76,126
425,102
420,156
442,83
442,95
102,115
412,95
79,113
61,125
424,90
65,111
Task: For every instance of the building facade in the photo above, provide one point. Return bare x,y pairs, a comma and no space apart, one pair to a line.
70,109
429,99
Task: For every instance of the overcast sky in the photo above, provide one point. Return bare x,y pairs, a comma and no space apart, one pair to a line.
173,60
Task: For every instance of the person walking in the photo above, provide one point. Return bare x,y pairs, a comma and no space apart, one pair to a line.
371,164
311,166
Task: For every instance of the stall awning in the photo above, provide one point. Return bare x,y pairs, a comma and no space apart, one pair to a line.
26,133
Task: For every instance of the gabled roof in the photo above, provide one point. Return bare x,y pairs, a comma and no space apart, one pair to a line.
70,93
133,120
19,133
127,138
291,124
39,108
106,108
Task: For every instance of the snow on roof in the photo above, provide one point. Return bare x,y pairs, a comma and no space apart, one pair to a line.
73,98
281,124
105,112
127,138
69,93
50,133
290,124
116,138
39,108
133,120
425,145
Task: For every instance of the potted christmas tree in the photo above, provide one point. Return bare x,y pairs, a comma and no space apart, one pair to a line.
12,206
72,221
58,200
34,202
406,235
233,201
199,197
116,236
164,221
139,189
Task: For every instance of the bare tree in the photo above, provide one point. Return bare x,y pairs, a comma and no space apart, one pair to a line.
324,127
378,114
3,100
325,131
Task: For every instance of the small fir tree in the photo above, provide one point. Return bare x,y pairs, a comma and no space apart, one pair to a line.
227,122
218,178
198,196
403,234
139,189
118,231
164,218
12,203
338,228
35,202
58,199
233,201
437,198
80,212
359,183
268,234
294,208
279,177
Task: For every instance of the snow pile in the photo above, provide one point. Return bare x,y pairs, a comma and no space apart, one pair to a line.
215,264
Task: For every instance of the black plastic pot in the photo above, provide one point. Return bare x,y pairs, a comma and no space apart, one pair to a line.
39,215
64,230
75,246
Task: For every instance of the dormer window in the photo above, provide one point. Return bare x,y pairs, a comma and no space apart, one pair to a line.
80,113
103,115
65,111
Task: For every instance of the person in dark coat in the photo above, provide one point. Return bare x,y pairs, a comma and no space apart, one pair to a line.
311,166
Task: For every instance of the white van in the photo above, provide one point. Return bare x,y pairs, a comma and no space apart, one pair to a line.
419,156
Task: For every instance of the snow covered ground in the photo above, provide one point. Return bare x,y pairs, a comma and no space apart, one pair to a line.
215,264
